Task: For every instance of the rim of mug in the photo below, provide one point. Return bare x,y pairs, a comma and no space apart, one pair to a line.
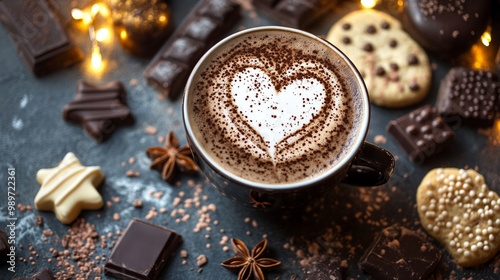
359,140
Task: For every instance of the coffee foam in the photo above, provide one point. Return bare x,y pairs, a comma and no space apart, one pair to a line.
274,108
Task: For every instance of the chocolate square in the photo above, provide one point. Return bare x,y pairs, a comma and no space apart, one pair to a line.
185,50
468,96
168,75
38,36
399,253
44,274
421,133
217,9
201,29
142,251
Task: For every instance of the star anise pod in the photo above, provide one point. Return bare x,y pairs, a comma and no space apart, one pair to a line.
250,264
170,158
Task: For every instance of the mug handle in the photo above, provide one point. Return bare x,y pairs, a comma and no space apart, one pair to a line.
372,166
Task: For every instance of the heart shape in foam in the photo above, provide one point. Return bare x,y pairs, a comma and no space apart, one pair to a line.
457,208
275,115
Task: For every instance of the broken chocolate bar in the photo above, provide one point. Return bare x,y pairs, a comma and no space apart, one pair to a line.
295,13
468,96
44,274
38,35
202,28
399,253
142,251
99,109
421,133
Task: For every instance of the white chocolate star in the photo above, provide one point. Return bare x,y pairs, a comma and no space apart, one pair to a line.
68,189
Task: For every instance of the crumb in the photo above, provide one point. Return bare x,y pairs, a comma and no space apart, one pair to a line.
115,199
184,254
201,260
380,139
170,111
158,194
163,210
132,173
39,221
131,160
133,82
137,203
254,224
151,130
151,214
225,248
123,164
47,232
116,217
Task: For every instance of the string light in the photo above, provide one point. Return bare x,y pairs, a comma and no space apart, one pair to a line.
101,34
96,58
486,37
368,3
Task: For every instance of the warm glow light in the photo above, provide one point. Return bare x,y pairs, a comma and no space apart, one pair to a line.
123,34
77,14
486,38
96,58
102,34
163,18
95,9
87,19
369,3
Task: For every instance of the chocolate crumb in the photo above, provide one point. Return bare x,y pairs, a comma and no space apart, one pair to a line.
137,203
39,220
116,217
184,254
201,260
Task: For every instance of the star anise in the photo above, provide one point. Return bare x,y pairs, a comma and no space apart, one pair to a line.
250,264
170,158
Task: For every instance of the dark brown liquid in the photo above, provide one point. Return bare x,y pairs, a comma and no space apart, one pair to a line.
273,108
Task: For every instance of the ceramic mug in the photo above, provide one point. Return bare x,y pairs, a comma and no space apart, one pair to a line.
364,164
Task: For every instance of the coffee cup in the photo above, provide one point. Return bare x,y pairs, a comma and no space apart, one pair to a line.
276,117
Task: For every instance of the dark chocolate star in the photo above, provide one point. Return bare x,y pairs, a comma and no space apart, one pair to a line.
99,109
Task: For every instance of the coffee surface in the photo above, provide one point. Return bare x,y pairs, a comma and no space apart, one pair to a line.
275,108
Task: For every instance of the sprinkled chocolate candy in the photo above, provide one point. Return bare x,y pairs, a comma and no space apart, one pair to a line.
43,274
371,29
400,253
393,43
412,59
346,40
421,133
394,66
380,71
470,96
385,25
456,207
368,47
346,26
414,86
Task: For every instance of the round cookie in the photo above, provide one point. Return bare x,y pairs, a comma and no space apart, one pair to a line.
445,28
395,68
457,208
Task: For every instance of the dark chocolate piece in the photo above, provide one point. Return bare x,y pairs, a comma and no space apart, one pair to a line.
468,96
371,29
399,253
393,43
4,246
143,25
380,71
99,109
142,251
368,47
201,29
346,40
446,28
385,25
328,269
295,13
38,35
44,274
421,133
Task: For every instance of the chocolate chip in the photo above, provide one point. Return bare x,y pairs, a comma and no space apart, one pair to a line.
346,26
380,71
393,43
346,40
385,25
414,86
412,59
394,66
371,29
368,47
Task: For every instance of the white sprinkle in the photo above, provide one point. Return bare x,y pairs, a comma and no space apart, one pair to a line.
456,219
423,208
477,201
449,224
484,231
473,248
466,244
460,250
467,229
478,231
429,193
472,193
430,214
492,237
452,243
480,244
435,229
486,248
466,253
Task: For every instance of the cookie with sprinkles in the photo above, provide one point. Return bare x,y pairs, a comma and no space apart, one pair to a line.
457,208
395,68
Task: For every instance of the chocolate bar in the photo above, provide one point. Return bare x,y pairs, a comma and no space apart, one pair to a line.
44,274
295,13
399,253
203,27
469,96
421,133
99,109
142,251
38,35
327,269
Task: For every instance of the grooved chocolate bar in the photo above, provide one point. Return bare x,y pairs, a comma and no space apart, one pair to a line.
99,109
295,13
399,253
421,133
38,35
142,251
202,28
469,96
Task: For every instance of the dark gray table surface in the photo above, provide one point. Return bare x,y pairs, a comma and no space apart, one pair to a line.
33,135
